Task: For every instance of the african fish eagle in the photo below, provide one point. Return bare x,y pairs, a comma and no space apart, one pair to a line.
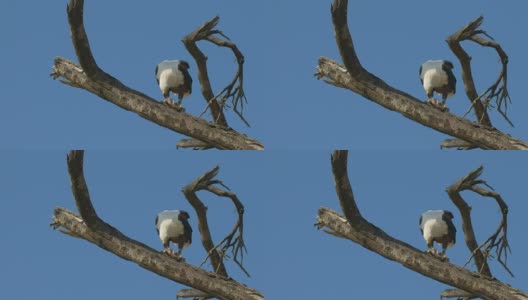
436,226
173,76
437,76
172,226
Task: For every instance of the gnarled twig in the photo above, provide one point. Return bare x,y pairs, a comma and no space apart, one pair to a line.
89,76
498,90
93,229
357,229
357,79
235,89
498,240
235,239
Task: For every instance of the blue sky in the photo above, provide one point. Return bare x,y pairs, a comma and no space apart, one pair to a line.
288,110
282,191
282,40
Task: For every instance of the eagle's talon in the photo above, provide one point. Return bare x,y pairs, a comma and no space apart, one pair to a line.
432,252
168,251
178,107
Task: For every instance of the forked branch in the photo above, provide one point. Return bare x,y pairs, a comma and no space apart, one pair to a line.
355,228
498,241
234,241
235,89
355,77
499,89
89,227
89,76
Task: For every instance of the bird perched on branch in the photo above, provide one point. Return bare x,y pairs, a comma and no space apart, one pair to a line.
437,76
173,76
173,226
437,226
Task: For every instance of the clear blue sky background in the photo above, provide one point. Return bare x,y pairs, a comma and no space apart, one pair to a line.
288,109
282,40
281,190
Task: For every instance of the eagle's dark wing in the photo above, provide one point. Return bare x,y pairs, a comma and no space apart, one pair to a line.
421,80
156,222
157,80
420,222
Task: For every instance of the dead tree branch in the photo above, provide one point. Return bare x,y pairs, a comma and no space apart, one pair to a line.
235,89
80,192
354,77
456,143
105,236
90,77
456,293
498,240
369,236
343,188
498,90
193,293
234,241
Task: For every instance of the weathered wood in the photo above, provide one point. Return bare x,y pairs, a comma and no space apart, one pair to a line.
357,229
153,260
343,188
96,231
379,92
89,76
201,61
235,239
355,77
374,239
75,161
152,110
454,41
499,239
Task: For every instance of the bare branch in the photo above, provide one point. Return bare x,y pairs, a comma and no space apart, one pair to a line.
497,90
498,240
467,76
152,260
456,293
416,110
343,189
343,38
357,79
369,236
376,240
91,78
75,160
235,239
75,12
89,227
194,144
201,61
192,293
235,89
456,143
154,111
